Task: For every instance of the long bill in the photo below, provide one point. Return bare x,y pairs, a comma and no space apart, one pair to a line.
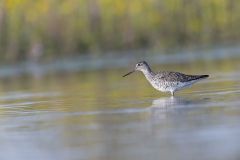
128,73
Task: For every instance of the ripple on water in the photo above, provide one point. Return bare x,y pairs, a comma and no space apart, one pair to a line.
24,103
27,95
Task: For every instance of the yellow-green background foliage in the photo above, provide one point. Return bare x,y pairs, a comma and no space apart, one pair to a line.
51,28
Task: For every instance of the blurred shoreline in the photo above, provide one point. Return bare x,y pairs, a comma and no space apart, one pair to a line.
119,61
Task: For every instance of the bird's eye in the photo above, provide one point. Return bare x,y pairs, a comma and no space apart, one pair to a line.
138,64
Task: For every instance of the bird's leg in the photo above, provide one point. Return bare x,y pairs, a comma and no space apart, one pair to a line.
172,92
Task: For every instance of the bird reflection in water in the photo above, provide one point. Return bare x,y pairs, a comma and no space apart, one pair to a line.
162,106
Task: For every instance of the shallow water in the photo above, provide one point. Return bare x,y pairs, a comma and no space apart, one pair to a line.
100,115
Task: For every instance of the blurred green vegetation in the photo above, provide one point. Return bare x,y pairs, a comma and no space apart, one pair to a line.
36,29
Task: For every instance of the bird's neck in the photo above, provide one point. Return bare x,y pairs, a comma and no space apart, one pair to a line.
148,73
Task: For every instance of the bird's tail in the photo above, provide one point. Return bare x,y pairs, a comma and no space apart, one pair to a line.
198,77
203,76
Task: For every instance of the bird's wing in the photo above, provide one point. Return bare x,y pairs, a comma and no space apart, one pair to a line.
176,76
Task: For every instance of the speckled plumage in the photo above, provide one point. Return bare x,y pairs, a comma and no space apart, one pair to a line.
166,81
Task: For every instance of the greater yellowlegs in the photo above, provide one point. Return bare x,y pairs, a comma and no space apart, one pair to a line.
165,81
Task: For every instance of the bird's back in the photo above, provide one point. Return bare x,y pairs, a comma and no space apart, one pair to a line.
177,77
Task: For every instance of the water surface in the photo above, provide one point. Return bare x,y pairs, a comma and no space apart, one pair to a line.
100,115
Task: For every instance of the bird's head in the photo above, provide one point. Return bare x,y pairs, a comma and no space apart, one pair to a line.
140,66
